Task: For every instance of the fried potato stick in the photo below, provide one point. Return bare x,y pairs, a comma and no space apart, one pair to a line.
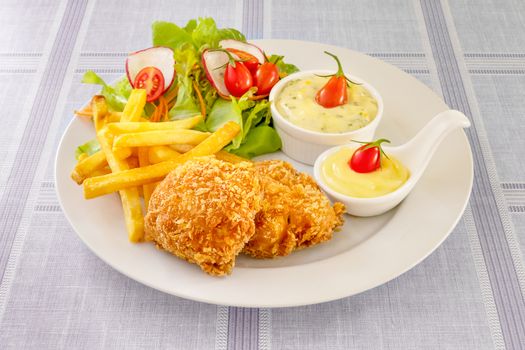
100,111
159,154
135,106
147,189
133,127
163,153
87,166
129,196
157,138
98,186
132,113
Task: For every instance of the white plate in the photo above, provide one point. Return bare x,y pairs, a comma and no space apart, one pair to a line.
366,253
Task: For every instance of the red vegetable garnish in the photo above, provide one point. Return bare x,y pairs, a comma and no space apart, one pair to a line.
237,77
266,77
334,92
151,79
249,60
367,158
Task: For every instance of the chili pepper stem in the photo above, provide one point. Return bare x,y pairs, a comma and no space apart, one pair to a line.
376,143
340,72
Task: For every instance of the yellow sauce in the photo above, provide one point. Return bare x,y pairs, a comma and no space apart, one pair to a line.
338,175
296,103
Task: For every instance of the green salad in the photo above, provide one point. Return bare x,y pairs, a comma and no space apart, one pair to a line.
216,73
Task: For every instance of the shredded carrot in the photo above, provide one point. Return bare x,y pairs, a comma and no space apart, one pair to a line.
164,104
161,111
201,100
170,95
155,115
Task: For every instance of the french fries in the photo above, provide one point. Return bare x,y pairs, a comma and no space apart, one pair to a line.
137,153
100,111
132,113
147,189
133,162
230,157
182,148
159,154
157,138
130,196
163,153
87,166
105,170
119,180
134,127
135,106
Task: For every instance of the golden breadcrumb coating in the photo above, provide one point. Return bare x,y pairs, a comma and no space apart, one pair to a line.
204,212
295,213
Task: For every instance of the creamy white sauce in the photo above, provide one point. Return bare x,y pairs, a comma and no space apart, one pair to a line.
296,103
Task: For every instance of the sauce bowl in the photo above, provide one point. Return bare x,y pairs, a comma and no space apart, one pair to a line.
306,145
415,155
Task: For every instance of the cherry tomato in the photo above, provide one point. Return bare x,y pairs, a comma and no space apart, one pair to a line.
237,78
249,60
151,79
334,92
367,158
266,77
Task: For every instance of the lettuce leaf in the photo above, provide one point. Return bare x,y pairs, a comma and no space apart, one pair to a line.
186,104
89,148
206,34
224,111
116,95
91,77
260,140
202,33
284,68
256,114
231,33
170,35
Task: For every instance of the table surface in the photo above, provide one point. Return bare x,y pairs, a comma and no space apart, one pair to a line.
469,294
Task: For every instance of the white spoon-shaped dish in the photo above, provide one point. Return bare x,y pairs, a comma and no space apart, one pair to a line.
414,155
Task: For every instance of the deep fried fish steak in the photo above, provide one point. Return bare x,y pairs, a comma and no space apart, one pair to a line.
204,212
295,213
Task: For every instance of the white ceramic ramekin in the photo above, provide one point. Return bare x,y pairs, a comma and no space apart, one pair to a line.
306,145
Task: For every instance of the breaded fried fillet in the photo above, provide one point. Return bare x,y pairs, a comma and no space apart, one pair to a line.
204,212
295,213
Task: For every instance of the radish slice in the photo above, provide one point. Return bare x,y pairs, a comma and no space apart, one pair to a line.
158,57
214,63
242,46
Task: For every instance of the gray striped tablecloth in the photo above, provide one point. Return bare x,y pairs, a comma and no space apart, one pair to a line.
469,294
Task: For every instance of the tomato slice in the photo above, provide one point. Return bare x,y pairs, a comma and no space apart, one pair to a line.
151,79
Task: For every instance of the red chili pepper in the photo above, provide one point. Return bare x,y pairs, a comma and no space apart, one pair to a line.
249,60
367,158
266,77
237,77
334,92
